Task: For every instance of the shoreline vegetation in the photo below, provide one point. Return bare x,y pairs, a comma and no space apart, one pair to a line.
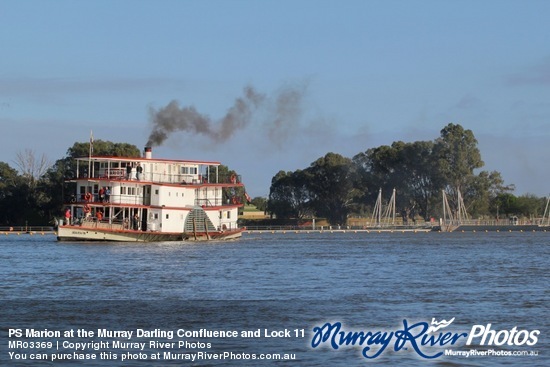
344,192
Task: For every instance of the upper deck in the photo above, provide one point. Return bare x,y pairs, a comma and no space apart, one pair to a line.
147,169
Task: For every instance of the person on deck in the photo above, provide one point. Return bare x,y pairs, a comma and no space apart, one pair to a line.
136,222
139,171
68,216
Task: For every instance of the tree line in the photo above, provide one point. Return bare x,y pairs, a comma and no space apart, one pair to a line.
332,187
335,187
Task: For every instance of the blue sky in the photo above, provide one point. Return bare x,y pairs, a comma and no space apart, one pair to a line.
360,73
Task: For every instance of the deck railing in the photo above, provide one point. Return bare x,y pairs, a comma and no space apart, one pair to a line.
174,178
140,200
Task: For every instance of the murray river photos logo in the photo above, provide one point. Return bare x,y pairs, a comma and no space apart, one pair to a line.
427,340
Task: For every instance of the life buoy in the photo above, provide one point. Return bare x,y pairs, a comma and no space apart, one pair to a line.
87,209
88,196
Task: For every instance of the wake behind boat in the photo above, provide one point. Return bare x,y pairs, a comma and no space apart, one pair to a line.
149,200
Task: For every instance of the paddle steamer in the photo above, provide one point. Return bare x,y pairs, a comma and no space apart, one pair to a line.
148,200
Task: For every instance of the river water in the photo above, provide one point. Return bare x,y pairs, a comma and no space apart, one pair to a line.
269,282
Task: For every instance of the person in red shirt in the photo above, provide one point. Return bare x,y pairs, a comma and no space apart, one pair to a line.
68,216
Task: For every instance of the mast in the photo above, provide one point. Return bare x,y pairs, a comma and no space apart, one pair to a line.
443,201
377,213
447,212
389,213
393,205
462,214
391,208
546,212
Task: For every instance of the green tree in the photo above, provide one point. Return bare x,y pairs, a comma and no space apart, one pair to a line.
506,204
260,203
530,206
289,195
21,197
104,148
55,188
406,167
457,156
482,191
332,187
420,181
9,179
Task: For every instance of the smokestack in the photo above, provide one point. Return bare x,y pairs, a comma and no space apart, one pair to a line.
148,154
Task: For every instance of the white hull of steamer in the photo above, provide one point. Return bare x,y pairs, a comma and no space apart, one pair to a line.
129,199
81,233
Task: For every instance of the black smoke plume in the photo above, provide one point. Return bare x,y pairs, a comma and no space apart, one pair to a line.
282,112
